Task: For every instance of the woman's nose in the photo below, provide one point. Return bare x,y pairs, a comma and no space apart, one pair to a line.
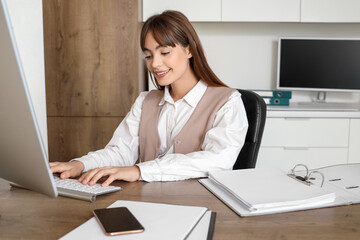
156,61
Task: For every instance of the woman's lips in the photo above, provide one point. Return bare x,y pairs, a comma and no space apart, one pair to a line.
162,73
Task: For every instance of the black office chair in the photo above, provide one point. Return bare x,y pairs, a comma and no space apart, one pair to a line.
256,113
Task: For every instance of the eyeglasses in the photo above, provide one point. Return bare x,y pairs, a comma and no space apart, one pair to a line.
306,179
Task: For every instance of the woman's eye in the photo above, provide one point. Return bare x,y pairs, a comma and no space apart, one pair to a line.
165,53
147,57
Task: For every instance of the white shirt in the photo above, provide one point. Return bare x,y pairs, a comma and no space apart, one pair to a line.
220,148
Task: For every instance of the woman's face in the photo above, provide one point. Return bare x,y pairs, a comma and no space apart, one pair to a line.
169,65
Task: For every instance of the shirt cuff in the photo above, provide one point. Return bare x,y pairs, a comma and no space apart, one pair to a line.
149,171
87,165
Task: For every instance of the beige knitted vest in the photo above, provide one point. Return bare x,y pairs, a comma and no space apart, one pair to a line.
193,133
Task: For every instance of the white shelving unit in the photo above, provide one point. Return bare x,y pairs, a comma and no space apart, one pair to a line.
260,11
327,11
313,138
197,11
324,11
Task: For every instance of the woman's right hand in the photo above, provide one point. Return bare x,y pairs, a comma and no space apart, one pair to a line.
67,169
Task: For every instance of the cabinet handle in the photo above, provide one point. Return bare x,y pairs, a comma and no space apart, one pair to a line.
297,119
296,148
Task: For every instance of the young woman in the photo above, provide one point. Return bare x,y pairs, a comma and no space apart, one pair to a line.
192,124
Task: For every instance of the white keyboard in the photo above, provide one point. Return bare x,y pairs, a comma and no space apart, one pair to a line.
73,188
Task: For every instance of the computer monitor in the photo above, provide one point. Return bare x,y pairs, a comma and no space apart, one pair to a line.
319,64
23,159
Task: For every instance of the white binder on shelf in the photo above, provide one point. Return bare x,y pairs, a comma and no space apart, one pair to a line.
252,192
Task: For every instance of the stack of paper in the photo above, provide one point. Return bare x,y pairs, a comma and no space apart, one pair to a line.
262,191
161,221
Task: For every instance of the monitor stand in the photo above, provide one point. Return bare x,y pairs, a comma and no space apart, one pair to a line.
320,104
321,97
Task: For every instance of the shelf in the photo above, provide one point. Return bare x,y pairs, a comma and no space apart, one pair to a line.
312,114
299,110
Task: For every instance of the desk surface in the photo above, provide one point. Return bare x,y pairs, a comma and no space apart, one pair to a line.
29,215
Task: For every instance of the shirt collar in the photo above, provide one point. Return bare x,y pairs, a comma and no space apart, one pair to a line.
167,97
192,97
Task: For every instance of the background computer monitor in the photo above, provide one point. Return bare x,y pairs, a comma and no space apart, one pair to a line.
23,159
319,64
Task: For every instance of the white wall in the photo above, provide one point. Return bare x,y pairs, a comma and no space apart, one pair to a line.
244,55
27,21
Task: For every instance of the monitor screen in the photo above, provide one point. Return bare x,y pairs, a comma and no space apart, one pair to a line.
23,158
318,64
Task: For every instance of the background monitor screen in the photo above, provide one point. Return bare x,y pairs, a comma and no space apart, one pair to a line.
319,64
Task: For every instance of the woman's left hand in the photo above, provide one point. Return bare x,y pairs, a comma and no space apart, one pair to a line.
129,174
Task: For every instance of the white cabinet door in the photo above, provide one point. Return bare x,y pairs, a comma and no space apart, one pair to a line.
261,10
316,142
286,159
306,132
194,10
354,147
330,11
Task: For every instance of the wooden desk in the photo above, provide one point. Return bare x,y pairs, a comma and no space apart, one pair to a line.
29,215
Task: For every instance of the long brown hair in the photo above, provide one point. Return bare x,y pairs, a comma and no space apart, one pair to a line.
172,27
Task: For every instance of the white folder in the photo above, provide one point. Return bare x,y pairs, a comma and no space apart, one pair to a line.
251,192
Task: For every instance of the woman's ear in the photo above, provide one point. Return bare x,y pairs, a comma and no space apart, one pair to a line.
188,52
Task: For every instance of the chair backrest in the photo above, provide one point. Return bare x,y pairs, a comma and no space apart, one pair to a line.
256,113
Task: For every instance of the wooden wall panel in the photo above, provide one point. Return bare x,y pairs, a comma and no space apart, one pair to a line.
91,57
73,137
91,70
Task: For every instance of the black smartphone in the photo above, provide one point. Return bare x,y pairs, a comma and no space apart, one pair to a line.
116,221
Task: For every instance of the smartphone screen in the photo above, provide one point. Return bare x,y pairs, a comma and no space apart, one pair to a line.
115,221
